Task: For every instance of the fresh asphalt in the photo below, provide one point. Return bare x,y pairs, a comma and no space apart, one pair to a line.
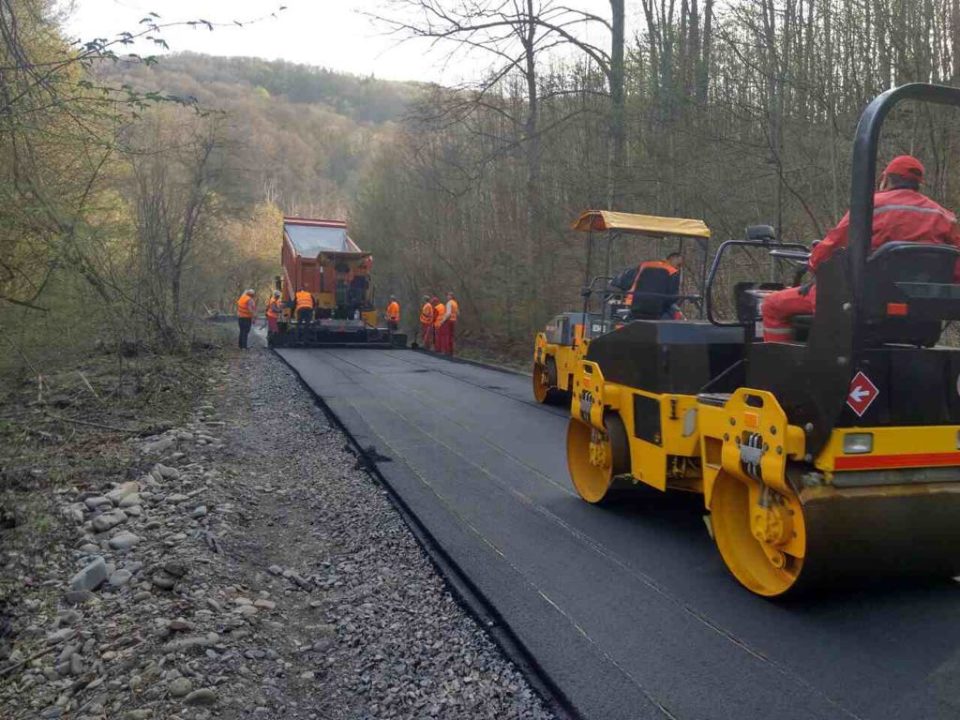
628,611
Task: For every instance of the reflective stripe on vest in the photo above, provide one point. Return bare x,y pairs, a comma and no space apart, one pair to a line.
648,265
304,300
243,306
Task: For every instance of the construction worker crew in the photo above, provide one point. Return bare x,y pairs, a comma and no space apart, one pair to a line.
304,309
655,289
393,314
273,313
449,326
246,312
439,310
900,213
426,323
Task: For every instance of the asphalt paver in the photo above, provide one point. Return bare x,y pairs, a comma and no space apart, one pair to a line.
628,610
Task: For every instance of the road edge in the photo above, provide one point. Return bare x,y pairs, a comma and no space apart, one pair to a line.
467,595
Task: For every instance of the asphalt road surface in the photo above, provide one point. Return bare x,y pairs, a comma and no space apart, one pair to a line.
629,611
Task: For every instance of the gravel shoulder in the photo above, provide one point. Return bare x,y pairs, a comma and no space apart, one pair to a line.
240,564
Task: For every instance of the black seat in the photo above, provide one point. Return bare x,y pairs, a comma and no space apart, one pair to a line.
909,292
903,277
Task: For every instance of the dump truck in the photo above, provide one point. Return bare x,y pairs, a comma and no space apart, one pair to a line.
830,460
319,256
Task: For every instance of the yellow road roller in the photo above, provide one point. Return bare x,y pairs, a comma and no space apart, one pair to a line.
559,348
826,460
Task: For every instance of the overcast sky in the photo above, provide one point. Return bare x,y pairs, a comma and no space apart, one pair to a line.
335,34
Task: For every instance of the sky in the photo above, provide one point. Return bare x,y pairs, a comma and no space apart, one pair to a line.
335,34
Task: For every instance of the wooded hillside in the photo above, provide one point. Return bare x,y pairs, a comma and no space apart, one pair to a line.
734,111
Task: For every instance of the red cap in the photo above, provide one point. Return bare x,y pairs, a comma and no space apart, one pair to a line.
905,166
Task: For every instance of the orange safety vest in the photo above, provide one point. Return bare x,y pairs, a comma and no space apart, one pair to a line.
438,311
454,309
243,306
273,309
393,311
649,264
304,300
426,314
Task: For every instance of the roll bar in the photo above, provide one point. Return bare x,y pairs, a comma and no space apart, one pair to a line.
864,174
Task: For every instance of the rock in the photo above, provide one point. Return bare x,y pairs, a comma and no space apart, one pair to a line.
275,570
176,568
133,511
77,597
124,540
140,714
157,446
130,500
117,495
107,521
264,604
176,498
179,625
308,675
246,610
199,512
182,686
167,473
74,513
55,638
91,577
97,501
189,642
203,696
163,581
90,548
76,664
120,578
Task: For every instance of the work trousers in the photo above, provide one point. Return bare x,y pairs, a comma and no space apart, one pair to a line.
393,325
272,326
779,307
304,316
244,324
447,332
426,335
440,337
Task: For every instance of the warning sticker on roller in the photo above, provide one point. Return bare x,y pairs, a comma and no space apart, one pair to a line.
862,394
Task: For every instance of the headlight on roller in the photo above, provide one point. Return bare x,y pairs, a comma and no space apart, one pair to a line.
857,443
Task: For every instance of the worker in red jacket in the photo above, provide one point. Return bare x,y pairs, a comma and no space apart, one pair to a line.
900,214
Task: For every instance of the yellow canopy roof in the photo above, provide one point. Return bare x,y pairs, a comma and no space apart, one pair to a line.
651,225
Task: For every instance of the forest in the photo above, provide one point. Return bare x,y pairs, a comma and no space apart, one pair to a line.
140,194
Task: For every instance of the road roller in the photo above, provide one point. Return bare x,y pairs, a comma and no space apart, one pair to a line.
832,459
559,348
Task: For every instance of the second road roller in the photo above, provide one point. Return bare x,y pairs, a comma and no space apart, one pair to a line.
827,460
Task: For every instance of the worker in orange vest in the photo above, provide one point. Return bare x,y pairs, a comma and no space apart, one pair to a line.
246,312
439,310
303,308
451,313
393,314
656,289
274,311
426,323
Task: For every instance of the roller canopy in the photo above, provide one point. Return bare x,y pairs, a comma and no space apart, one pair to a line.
650,225
312,238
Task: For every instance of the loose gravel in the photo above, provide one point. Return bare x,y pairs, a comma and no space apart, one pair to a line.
252,569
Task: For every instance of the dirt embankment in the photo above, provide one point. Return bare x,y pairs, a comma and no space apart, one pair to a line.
239,563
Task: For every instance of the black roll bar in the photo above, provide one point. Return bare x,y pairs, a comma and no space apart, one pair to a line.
864,175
